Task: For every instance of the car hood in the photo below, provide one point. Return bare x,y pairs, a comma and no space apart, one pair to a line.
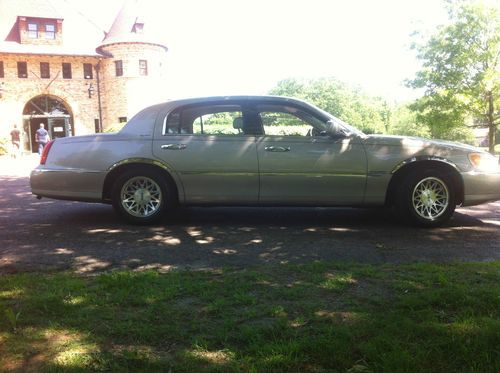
417,142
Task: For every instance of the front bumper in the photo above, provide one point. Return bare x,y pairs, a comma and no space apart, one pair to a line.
480,187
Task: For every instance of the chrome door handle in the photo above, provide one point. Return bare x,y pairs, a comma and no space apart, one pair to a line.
174,146
275,149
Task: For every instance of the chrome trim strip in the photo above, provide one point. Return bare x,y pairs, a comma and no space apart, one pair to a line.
72,170
139,160
424,158
164,130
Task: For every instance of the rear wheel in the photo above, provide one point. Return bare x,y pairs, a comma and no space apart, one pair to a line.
141,197
427,198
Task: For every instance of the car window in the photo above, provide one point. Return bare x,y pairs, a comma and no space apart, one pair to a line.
290,121
206,120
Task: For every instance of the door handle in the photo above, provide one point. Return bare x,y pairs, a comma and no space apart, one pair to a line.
174,146
277,149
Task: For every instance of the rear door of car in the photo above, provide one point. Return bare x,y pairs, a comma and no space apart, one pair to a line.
300,164
214,159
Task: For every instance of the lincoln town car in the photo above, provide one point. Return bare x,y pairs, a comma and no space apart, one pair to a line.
262,151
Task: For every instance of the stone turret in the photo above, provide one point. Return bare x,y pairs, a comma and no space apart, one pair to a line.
133,73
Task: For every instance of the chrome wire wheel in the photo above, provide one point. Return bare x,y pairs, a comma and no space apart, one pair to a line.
430,198
141,196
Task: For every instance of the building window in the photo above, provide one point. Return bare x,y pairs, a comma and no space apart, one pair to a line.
138,28
32,30
22,69
143,67
122,120
66,70
50,31
119,68
87,71
44,70
1,70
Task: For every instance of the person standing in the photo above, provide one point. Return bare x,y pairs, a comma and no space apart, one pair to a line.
42,138
15,139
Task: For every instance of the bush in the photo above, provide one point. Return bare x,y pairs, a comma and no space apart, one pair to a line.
4,146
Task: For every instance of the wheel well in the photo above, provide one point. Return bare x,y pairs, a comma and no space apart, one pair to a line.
115,173
445,168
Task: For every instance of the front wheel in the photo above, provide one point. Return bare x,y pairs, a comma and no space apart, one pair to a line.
141,197
427,198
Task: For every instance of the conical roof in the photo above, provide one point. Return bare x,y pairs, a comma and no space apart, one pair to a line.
131,26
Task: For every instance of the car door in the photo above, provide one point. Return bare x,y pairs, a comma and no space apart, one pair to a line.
300,164
214,159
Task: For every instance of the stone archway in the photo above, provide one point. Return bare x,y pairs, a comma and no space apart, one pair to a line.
50,110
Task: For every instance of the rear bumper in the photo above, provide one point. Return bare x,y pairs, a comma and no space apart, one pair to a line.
72,185
480,187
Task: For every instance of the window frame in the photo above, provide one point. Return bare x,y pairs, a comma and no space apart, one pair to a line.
238,106
262,108
65,66
22,66
32,33
52,32
119,68
87,68
44,70
143,67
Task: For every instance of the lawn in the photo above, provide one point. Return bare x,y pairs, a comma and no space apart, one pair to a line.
316,317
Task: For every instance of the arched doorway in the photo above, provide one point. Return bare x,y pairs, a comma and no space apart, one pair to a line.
52,112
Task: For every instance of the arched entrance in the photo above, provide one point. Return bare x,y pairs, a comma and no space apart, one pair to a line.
52,112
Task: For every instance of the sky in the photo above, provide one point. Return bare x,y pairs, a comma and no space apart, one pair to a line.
219,47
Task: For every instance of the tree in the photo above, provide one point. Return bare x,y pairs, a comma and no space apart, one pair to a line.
370,114
461,71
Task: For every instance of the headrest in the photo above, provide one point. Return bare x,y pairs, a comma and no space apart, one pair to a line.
238,123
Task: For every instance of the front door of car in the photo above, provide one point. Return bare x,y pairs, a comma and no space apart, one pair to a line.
300,164
215,161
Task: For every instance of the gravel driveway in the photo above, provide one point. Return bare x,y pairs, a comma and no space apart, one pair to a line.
47,234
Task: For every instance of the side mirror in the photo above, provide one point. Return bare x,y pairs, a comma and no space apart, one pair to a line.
334,129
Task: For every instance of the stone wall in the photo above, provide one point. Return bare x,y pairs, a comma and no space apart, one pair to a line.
17,92
124,96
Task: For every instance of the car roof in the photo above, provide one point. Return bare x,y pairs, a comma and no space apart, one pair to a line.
195,100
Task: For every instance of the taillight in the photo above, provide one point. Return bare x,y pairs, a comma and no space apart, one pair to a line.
45,153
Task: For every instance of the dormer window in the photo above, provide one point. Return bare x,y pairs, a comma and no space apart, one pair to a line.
40,30
50,31
138,28
33,30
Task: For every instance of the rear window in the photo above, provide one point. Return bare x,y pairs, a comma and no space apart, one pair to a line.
206,120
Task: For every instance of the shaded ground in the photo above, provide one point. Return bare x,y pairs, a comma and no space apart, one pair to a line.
48,234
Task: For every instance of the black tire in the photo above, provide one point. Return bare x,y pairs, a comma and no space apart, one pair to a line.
141,196
426,198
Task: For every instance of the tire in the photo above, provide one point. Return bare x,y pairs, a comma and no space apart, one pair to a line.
426,198
141,197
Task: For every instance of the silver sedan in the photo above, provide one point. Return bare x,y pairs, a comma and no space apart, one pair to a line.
262,150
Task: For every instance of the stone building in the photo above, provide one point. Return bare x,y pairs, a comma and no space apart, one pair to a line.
59,68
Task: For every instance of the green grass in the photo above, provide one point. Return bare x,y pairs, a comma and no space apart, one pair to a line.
311,318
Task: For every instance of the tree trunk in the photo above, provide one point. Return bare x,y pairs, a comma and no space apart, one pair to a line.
491,123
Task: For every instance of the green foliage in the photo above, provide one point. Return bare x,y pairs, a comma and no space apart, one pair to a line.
12,317
461,71
351,104
4,146
403,121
